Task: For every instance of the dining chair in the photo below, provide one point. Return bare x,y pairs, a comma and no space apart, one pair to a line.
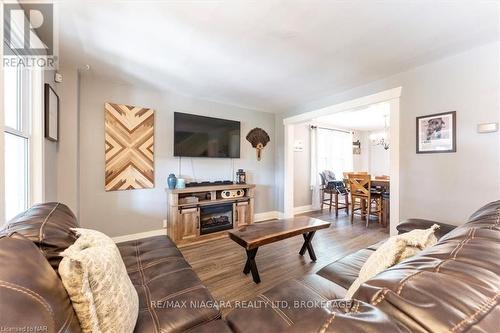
346,176
364,199
334,189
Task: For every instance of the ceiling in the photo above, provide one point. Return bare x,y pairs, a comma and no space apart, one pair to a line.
269,55
372,118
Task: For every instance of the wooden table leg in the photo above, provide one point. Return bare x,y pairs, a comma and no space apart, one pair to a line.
308,245
250,265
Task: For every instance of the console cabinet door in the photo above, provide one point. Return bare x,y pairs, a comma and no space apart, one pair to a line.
241,213
189,223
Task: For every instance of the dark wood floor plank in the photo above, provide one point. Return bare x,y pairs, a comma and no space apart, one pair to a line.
219,263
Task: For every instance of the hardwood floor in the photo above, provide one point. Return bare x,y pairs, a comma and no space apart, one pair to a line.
219,263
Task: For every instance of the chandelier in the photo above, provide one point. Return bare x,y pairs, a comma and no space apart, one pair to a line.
382,139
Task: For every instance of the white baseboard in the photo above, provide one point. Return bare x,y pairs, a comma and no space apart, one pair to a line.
139,235
302,209
265,216
271,215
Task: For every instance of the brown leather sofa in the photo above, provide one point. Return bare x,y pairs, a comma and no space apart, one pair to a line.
453,286
33,299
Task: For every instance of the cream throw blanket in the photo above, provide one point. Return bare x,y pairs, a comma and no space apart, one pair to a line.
394,250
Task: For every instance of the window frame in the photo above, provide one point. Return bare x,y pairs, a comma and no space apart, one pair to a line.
24,112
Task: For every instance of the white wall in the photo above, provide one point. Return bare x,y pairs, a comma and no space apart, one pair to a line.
379,158
67,148
126,212
302,167
446,187
50,151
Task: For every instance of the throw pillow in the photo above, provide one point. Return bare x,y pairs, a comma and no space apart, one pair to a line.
394,250
95,277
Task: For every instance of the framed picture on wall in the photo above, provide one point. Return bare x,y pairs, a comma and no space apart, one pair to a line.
356,147
436,133
51,114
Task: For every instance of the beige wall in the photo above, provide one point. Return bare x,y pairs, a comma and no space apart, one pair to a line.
445,187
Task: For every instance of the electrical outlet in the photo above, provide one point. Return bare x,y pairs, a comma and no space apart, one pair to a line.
164,223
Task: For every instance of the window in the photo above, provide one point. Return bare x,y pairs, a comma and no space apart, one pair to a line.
334,151
17,136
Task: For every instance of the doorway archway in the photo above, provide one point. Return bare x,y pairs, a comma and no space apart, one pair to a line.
391,96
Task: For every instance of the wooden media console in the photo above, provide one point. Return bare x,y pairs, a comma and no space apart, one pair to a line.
197,214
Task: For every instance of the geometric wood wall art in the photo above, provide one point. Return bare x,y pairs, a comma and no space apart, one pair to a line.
129,147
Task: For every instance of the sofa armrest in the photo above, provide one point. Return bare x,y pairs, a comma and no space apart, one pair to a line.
412,224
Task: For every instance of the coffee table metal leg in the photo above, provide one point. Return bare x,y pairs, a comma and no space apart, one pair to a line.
251,266
308,245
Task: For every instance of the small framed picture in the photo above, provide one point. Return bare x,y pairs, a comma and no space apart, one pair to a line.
436,133
356,147
51,114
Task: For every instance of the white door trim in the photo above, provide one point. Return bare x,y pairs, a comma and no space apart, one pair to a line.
383,96
392,96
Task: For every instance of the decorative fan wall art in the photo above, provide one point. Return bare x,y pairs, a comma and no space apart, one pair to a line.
259,139
129,147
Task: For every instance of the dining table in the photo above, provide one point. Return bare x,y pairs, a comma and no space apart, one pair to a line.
384,183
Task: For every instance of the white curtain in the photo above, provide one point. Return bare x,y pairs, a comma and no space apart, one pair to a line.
314,177
330,150
334,151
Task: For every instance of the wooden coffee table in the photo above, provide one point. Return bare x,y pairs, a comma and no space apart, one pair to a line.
254,235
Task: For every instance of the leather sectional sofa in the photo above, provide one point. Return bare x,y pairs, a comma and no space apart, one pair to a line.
454,286
32,294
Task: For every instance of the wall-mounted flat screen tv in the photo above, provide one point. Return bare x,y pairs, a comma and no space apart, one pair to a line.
198,136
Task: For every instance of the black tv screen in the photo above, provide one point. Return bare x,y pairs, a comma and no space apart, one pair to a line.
198,136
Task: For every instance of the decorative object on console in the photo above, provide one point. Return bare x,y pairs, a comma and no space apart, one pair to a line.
181,183
238,193
129,147
259,139
437,133
171,181
241,177
51,114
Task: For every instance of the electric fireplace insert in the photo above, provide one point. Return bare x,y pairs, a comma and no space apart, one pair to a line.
216,218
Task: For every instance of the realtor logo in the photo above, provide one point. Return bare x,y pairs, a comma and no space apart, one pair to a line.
29,34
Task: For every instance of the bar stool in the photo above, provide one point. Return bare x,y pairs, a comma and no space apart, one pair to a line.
333,188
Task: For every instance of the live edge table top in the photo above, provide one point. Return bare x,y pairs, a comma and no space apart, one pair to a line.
255,235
